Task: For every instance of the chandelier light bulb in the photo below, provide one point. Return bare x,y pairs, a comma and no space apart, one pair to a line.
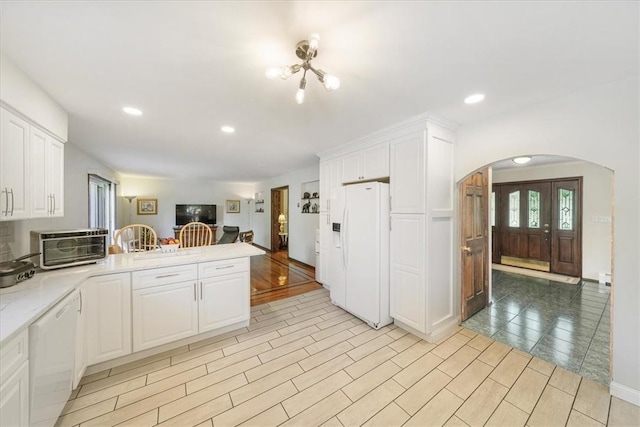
314,39
331,82
273,72
300,96
286,72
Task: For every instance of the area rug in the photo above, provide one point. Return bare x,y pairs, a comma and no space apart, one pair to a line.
539,274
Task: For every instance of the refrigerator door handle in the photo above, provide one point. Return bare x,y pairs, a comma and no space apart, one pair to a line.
343,232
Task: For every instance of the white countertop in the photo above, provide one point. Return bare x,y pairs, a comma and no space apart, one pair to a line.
22,304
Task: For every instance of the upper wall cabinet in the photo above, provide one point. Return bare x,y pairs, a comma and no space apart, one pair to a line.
14,167
408,159
367,164
31,170
47,175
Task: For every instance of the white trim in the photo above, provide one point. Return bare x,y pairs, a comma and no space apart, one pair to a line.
625,393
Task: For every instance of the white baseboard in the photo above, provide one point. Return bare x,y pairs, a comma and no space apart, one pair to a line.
625,393
434,336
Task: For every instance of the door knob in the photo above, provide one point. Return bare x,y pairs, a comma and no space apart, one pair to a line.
466,249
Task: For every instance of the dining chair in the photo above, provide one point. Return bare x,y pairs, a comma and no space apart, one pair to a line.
195,234
246,237
136,238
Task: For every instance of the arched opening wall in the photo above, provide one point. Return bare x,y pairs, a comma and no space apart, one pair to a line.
600,125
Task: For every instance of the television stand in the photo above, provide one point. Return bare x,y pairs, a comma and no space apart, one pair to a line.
214,228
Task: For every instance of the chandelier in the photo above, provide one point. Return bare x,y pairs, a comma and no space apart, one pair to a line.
305,50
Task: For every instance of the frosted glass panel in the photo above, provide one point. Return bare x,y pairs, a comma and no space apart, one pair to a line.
534,209
514,209
565,206
493,208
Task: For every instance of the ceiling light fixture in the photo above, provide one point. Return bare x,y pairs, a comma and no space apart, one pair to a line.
227,129
474,99
305,50
521,160
133,111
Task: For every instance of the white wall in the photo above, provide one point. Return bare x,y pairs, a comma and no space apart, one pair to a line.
600,125
302,227
23,94
596,202
171,192
15,235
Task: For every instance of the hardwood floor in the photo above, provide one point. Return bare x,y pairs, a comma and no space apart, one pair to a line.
275,276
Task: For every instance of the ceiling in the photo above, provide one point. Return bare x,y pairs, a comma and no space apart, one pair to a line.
195,66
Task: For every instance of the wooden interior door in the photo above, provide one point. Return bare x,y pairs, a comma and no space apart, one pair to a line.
475,278
276,202
566,227
525,217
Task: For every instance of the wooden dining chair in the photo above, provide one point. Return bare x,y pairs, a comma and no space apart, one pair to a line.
136,238
195,234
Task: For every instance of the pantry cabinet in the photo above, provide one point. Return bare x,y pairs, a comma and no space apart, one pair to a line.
14,166
330,182
367,164
108,317
423,295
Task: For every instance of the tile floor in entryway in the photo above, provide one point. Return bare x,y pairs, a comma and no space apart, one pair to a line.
305,362
568,325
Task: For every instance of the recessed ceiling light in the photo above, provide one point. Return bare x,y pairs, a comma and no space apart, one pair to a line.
133,111
227,129
521,160
472,99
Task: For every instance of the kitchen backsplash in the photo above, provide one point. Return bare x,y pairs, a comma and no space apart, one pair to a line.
6,237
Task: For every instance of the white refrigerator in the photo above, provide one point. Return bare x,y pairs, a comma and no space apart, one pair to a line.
358,266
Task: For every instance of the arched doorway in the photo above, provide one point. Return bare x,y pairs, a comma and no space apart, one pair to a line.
565,322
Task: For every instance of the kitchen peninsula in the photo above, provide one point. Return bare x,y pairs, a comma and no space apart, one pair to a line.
129,306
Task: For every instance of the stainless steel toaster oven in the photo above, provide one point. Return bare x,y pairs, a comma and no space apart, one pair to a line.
66,248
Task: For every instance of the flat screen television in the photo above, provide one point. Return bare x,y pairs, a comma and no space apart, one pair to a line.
189,213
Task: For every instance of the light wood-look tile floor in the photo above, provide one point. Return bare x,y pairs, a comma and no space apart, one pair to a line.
304,362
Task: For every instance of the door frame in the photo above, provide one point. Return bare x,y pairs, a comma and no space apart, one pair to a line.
275,237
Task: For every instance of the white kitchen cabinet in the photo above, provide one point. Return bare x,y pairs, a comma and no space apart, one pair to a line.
14,381
224,295
407,270
165,305
423,296
162,314
14,167
80,361
108,317
14,398
408,161
367,164
47,175
325,236
330,181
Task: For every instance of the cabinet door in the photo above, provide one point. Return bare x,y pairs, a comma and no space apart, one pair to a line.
407,270
40,197
14,398
14,167
55,176
108,325
224,300
351,169
375,162
325,236
325,185
80,362
407,178
164,314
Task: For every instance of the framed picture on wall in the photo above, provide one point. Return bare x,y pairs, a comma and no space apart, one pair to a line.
233,206
147,206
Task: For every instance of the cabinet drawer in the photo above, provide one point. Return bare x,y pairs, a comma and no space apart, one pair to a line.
222,267
165,275
13,354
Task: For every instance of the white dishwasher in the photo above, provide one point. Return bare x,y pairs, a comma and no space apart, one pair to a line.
51,358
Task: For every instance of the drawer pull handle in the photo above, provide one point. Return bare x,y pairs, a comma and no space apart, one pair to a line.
226,266
164,276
